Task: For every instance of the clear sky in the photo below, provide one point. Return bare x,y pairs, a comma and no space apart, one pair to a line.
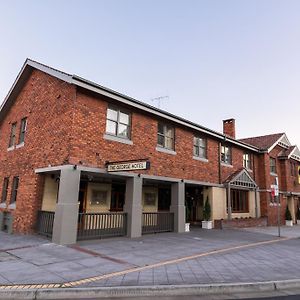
215,59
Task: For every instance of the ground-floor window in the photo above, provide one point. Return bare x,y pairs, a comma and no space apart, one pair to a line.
240,201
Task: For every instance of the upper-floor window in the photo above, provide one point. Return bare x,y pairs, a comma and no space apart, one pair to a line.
4,189
200,147
166,136
272,165
14,190
226,155
247,161
23,128
118,122
12,137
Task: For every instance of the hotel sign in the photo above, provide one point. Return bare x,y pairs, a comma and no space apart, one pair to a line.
128,166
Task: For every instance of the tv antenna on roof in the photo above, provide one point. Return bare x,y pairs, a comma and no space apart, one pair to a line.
159,99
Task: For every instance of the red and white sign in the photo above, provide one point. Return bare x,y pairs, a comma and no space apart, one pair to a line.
274,190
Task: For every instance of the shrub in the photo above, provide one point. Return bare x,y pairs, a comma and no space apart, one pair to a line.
288,215
206,210
298,213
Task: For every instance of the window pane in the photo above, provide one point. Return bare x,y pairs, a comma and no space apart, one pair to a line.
123,130
169,132
124,118
202,142
169,143
111,127
14,193
160,128
160,140
202,152
196,141
4,190
196,151
112,114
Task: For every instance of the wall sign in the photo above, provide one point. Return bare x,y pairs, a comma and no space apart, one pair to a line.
128,166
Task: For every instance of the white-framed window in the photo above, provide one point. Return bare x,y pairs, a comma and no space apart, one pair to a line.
226,155
12,137
200,147
4,190
272,165
247,161
14,190
118,122
166,136
23,130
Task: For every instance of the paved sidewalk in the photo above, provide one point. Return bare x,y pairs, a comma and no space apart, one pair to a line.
34,260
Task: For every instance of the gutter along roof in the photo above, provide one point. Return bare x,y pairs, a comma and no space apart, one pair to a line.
29,65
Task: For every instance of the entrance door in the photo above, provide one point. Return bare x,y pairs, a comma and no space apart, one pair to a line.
117,197
194,204
82,196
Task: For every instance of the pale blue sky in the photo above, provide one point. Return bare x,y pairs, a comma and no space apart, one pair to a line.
215,59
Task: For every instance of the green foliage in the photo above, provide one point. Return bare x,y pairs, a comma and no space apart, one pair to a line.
298,213
187,213
288,215
206,210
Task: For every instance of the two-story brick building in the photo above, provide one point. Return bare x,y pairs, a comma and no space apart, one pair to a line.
78,160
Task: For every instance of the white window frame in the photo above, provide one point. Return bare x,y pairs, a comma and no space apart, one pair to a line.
118,122
200,143
165,136
226,156
247,161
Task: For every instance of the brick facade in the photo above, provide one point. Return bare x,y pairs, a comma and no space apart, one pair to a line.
67,124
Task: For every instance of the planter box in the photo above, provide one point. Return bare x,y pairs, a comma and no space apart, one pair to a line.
241,223
187,227
207,224
288,222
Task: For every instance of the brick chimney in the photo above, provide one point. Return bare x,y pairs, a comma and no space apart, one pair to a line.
229,127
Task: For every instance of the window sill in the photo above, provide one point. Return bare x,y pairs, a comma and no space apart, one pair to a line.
12,206
20,145
11,148
114,138
2,205
226,165
200,158
273,174
165,150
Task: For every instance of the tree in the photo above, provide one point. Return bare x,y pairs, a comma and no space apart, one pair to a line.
207,210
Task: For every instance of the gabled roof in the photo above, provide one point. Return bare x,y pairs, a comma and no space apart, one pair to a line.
241,179
30,65
292,152
264,142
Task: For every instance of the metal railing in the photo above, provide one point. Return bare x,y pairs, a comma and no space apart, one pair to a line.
100,225
45,222
154,222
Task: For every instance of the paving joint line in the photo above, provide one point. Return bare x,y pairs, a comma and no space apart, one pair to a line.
138,269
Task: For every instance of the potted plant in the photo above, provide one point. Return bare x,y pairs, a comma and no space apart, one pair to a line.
298,216
207,223
288,217
187,217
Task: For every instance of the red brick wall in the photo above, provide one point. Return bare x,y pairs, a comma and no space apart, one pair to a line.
90,126
48,105
66,125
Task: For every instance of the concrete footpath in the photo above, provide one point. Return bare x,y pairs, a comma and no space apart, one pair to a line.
202,261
